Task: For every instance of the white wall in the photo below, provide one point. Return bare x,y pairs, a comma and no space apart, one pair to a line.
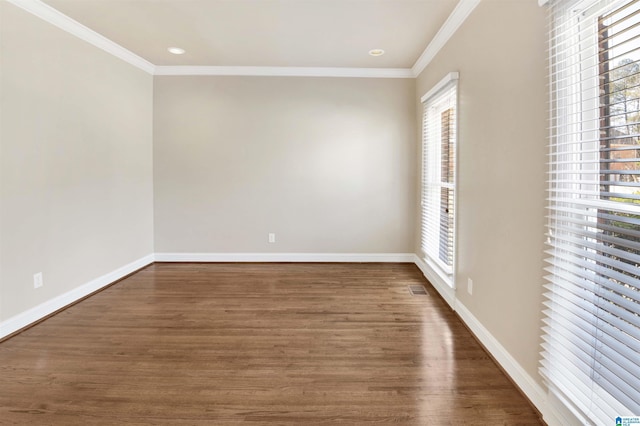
75,162
327,164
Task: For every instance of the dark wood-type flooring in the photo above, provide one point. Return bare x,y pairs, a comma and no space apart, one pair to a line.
276,344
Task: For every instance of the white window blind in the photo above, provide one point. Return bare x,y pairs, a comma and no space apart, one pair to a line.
438,176
591,349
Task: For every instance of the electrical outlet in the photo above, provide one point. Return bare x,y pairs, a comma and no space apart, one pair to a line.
272,237
469,286
37,280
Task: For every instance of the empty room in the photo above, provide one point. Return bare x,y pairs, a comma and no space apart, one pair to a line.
316,212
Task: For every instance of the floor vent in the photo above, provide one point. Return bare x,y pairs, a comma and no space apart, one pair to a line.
418,290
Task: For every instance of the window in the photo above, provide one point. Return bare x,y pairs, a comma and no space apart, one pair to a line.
438,176
592,319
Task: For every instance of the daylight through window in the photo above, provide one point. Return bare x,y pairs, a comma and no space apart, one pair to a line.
438,176
592,323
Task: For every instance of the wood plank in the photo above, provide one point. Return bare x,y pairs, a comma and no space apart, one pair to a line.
287,344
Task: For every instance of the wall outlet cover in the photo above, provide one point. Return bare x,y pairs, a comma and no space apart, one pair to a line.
37,280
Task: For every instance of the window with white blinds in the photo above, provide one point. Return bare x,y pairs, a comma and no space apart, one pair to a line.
591,349
438,176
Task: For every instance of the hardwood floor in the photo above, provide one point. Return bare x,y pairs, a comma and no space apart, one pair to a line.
277,344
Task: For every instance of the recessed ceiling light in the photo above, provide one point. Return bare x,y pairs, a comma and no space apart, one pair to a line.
176,50
376,52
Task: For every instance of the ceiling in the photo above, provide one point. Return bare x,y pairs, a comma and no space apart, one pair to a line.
266,33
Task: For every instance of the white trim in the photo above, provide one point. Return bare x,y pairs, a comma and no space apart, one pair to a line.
558,413
35,314
536,394
62,21
542,2
447,293
285,71
285,257
534,391
552,411
462,10
452,76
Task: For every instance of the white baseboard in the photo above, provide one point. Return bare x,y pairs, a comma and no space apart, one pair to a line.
447,293
285,257
39,312
36,313
536,394
552,415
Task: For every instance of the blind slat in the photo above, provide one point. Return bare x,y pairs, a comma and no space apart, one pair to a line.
592,321
439,141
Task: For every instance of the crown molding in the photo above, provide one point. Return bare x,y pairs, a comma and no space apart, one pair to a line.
462,10
286,71
62,21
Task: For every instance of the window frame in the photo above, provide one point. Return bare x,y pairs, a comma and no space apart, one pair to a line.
432,98
576,138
